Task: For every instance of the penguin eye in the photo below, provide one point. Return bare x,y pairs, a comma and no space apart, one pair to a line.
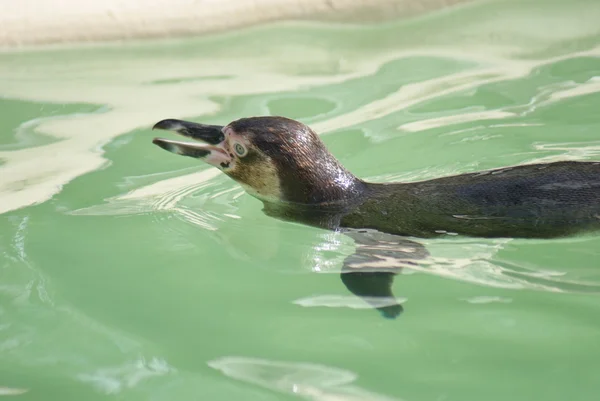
239,149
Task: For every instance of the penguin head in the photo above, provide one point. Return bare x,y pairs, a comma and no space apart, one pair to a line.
275,159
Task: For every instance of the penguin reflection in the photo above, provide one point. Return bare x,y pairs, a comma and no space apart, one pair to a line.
369,272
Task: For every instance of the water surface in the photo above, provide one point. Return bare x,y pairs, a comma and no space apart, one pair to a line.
130,272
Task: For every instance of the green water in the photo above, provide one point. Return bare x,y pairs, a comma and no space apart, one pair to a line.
130,273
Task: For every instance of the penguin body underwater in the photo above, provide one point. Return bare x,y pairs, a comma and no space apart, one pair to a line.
283,163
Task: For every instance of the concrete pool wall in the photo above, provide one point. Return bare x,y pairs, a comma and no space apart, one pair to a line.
43,22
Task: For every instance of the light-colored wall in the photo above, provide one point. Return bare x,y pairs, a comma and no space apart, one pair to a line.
40,22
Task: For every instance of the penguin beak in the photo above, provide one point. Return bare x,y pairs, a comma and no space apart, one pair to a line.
213,152
211,134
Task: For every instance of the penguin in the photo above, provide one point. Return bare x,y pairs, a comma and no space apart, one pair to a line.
284,164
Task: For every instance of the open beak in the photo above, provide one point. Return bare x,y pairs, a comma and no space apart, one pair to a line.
212,151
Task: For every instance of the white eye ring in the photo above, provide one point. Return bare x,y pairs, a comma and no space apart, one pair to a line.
240,149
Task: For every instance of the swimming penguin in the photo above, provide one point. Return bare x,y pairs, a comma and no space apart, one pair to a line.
283,163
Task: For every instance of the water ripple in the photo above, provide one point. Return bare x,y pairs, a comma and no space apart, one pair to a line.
113,380
351,302
464,259
304,380
12,391
168,196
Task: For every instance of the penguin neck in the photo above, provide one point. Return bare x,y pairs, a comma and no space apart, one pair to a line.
323,184
327,213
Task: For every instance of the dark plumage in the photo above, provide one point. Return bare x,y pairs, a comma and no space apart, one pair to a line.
539,200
